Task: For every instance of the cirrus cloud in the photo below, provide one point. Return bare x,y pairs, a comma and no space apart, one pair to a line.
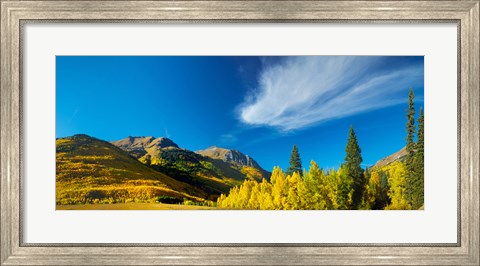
303,91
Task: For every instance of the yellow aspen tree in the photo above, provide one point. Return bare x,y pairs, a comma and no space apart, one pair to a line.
396,173
254,201
278,189
244,194
293,201
371,189
266,200
221,200
311,180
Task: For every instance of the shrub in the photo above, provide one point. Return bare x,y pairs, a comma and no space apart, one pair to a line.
169,200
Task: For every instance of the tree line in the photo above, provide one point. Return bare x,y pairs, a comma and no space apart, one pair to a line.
396,186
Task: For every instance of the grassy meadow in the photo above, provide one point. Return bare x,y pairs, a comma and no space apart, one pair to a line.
133,206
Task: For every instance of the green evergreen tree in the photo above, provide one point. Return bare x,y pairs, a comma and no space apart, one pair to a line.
418,184
345,188
295,162
409,162
353,159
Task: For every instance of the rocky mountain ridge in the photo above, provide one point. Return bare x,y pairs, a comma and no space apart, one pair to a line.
397,156
229,156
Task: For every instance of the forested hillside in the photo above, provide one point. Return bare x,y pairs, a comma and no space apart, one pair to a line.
89,170
143,169
212,174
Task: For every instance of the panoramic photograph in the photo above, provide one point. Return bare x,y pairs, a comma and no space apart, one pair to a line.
239,133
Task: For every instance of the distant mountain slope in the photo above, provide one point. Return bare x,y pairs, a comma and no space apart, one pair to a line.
91,170
139,146
163,155
398,156
235,159
211,174
229,156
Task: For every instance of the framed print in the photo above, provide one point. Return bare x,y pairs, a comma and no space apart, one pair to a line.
239,132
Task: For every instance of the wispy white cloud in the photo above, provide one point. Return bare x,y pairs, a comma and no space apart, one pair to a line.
303,91
166,132
228,139
73,116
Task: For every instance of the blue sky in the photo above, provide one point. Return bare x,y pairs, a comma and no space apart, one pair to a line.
260,106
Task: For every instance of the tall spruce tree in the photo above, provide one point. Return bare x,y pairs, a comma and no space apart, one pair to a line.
418,183
353,159
295,162
410,158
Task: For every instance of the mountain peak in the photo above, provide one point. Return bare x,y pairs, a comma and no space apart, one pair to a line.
137,146
135,138
230,156
216,148
163,142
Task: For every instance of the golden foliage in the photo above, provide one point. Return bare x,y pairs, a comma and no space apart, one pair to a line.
316,190
396,173
292,192
91,171
251,173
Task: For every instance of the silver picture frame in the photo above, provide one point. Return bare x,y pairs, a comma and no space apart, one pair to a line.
16,14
